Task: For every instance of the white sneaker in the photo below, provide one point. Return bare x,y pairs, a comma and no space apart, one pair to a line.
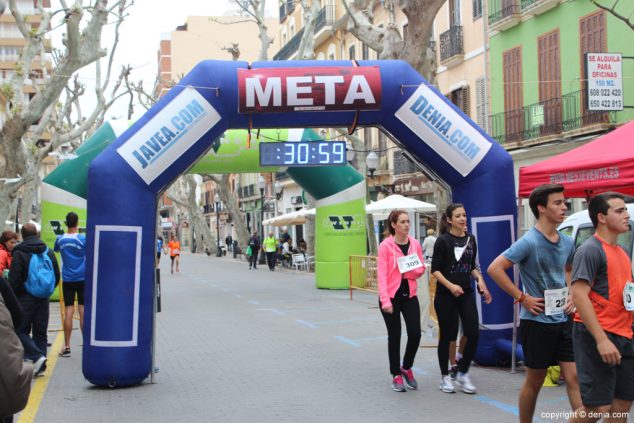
464,380
446,385
39,366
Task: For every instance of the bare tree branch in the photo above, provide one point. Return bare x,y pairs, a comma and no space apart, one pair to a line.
612,10
27,120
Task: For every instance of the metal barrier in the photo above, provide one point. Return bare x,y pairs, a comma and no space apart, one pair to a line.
363,274
363,277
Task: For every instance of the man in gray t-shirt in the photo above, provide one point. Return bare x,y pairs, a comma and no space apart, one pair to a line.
542,265
544,257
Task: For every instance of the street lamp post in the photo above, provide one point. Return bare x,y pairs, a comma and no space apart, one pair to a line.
278,194
372,162
217,205
261,185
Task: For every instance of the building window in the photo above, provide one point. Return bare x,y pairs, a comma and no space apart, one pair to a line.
592,39
460,98
454,12
481,101
513,97
352,52
477,9
549,69
365,52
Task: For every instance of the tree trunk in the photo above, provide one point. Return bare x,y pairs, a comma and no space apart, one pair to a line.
183,193
233,208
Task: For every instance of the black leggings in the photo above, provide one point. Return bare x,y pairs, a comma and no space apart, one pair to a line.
448,309
270,258
411,313
253,259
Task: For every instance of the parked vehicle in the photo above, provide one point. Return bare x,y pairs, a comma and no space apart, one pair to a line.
579,227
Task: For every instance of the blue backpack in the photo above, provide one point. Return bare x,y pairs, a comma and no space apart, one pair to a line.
40,281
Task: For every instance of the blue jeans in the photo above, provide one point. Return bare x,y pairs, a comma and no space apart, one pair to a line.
33,331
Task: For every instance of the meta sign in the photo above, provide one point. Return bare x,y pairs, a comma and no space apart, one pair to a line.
605,81
309,89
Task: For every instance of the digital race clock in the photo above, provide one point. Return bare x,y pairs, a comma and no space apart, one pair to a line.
316,153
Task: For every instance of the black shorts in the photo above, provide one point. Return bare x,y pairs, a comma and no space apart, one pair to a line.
546,344
158,256
69,291
599,382
173,257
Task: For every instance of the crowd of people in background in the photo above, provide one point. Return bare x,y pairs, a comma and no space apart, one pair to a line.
277,250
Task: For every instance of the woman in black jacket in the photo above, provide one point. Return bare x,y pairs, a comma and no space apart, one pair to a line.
453,266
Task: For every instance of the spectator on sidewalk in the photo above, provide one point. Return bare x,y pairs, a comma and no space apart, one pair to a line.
159,249
229,243
423,296
255,245
33,330
287,251
8,239
15,373
269,248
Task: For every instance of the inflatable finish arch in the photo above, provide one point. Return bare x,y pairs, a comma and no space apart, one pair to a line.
126,179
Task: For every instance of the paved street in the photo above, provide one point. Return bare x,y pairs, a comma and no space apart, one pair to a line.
235,345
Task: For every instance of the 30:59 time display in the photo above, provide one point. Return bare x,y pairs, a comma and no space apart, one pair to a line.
317,153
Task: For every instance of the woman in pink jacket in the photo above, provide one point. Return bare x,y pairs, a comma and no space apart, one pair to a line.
400,263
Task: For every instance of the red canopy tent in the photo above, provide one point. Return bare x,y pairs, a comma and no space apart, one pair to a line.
605,164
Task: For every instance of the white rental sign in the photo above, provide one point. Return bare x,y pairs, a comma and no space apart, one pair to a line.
605,83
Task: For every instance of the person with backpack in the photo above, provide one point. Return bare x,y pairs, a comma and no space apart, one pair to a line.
33,276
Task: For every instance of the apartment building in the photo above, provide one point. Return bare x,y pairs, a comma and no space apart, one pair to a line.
539,105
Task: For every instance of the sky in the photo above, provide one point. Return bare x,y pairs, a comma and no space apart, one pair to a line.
140,35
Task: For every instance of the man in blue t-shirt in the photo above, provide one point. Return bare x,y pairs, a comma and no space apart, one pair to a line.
544,257
72,248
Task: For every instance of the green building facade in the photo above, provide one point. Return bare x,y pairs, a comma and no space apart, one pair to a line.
536,61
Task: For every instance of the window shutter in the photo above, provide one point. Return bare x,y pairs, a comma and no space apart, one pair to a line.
464,104
481,118
477,9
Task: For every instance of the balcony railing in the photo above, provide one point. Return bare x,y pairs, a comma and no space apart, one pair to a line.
550,117
326,17
451,43
500,9
538,6
286,8
290,47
